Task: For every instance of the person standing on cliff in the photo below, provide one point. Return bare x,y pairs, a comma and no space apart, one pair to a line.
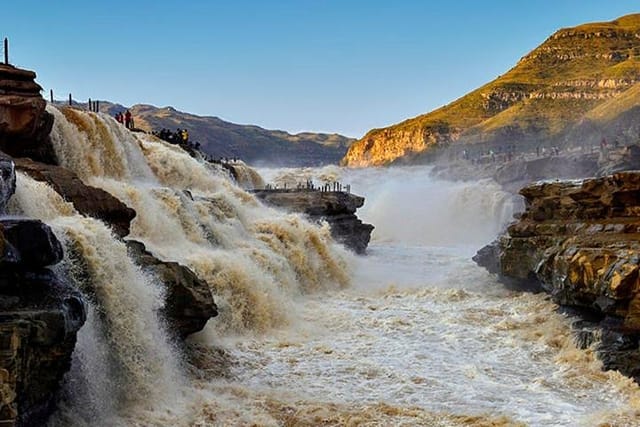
127,119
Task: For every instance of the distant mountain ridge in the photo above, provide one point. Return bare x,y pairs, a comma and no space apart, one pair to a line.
569,86
253,144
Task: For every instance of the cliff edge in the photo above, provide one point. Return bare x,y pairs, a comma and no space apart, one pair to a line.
580,241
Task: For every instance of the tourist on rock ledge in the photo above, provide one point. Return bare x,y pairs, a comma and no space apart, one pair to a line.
128,120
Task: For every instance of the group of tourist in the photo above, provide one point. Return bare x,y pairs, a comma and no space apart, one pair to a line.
126,119
180,136
327,187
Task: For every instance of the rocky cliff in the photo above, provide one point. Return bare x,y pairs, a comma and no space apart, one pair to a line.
580,241
548,94
336,207
39,317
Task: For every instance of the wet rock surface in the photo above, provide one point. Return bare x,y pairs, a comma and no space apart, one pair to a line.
39,318
336,207
580,240
188,300
87,200
7,180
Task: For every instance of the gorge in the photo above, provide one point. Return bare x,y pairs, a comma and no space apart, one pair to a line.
144,285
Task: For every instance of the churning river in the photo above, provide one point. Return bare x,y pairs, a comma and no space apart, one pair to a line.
412,334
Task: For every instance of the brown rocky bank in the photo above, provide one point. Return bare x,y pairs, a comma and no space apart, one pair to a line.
580,242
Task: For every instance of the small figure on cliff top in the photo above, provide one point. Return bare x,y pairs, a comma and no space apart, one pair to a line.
128,121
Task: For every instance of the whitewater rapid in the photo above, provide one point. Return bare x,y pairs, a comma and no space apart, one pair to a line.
412,334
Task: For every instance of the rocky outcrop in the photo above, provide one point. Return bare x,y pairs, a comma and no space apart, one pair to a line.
336,207
382,146
581,241
39,318
188,300
87,200
24,123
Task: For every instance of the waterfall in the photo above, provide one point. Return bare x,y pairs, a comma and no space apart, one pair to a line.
256,260
411,206
124,346
93,144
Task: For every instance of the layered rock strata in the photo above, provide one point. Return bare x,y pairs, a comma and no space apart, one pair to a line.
335,207
24,123
580,240
188,300
579,77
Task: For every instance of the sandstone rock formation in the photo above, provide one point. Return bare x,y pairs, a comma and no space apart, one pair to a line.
24,123
337,208
189,303
40,316
580,81
87,200
580,240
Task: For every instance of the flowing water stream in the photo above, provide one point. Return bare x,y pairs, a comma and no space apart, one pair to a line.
308,333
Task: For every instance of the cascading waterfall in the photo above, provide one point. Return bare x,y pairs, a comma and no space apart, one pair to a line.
124,346
100,147
256,261
254,258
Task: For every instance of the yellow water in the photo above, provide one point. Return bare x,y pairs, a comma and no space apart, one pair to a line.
308,334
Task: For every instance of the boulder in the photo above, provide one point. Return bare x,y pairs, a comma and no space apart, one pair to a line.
39,318
24,123
90,201
188,300
336,207
29,244
580,240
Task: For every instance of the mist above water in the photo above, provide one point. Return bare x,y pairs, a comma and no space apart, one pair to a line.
408,205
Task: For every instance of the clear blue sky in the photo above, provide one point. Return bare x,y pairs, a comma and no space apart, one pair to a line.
320,65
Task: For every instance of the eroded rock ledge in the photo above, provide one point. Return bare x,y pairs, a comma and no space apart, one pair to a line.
24,123
188,300
87,200
336,207
580,240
